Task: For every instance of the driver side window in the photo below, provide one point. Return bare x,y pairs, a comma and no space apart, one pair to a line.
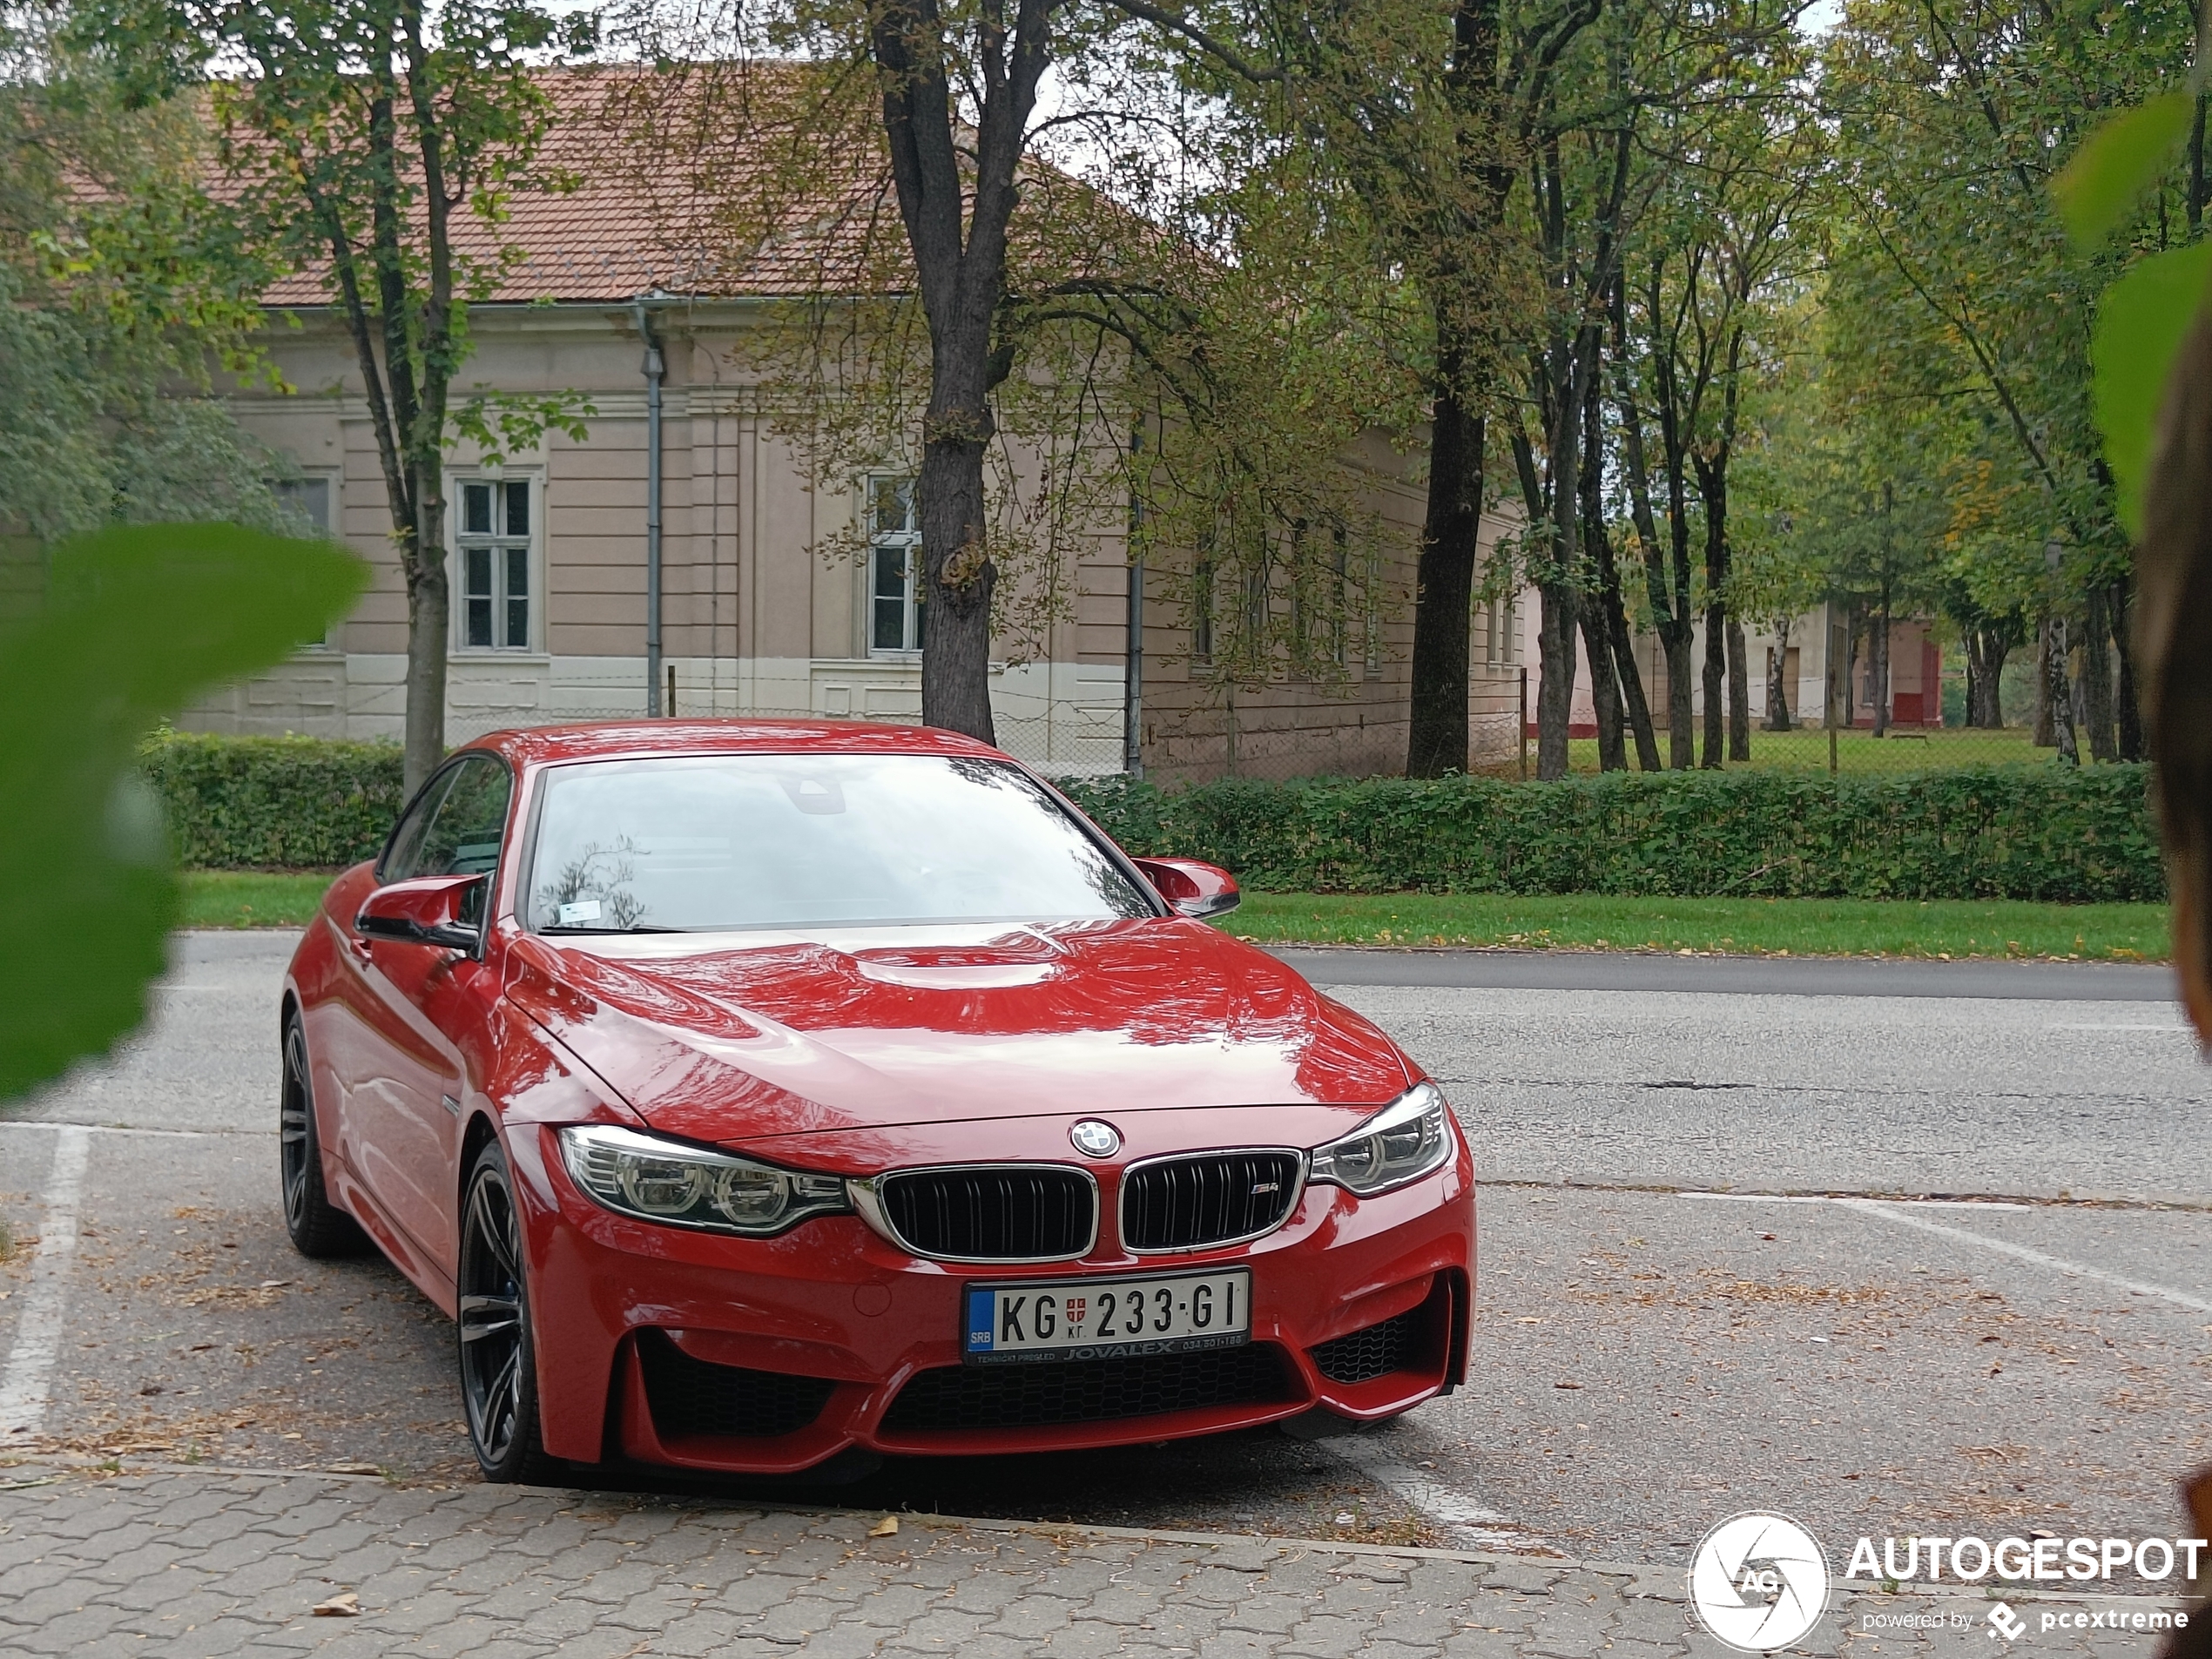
459,832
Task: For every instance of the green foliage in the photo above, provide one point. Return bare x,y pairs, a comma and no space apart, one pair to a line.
132,624
2143,317
1961,309
1993,832
122,282
2117,164
285,803
2140,323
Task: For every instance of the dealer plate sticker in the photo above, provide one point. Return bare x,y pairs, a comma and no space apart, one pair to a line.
1107,1319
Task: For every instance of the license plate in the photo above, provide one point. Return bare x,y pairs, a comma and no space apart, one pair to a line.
1106,1318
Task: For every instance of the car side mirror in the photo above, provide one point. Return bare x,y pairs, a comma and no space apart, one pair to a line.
425,910
1199,891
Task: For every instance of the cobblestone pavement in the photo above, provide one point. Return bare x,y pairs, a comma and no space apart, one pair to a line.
192,1562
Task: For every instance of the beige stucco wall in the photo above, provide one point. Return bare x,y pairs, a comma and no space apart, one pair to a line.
755,619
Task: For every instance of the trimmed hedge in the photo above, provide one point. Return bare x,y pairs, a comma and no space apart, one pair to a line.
2043,833
298,803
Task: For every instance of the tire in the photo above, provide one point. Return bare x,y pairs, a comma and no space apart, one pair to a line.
498,1359
318,1227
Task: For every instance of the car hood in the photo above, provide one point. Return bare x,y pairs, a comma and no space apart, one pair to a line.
732,1037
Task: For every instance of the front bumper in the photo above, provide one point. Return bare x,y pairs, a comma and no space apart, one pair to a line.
708,1351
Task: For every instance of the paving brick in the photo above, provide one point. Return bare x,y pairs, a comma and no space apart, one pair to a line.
182,1564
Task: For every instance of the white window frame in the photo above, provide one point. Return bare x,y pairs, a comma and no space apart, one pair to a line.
462,542
333,528
883,542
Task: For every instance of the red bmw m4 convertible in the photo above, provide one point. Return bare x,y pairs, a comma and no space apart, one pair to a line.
753,1092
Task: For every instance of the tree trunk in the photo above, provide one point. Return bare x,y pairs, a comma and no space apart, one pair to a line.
2045,733
1714,678
1739,694
1605,686
1555,692
2122,614
1778,668
1437,727
957,195
1713,684
2097,679
1854,631
1611,643
1988,646
1877,662
958,575
2059,692
428,624
1669,602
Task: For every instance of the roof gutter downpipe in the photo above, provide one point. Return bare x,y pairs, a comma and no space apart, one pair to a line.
655,369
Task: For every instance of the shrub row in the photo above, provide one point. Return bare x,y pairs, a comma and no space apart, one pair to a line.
1984,832
236,803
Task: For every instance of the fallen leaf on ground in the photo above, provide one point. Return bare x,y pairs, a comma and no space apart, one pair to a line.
344,1605
884,1527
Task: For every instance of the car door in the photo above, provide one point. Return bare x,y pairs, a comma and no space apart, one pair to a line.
425,1008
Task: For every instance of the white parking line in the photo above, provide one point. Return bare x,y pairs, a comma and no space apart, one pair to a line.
1484,1528
1900,1212
29,1374
124,1129
2023,1252
1830,1198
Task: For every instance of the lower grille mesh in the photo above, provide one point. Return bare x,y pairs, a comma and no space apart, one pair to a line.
1087,1390
1395,1345
690,1396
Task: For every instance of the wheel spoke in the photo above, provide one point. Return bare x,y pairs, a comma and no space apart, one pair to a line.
489,1316
499,1403
495,1229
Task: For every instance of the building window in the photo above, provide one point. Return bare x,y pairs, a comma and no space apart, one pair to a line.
494,551
310,503
1501,631
895,566
306,502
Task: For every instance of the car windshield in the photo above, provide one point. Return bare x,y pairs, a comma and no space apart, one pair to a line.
707,843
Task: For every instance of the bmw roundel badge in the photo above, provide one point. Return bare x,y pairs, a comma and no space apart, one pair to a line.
1095,1139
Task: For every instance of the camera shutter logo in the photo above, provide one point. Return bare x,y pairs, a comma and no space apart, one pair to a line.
1758,1582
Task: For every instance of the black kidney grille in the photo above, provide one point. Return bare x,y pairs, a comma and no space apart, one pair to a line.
690,1396
1087,1390
1395,1345
999,1213
1183,1203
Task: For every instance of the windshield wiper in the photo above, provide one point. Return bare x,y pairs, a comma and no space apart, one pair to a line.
642,928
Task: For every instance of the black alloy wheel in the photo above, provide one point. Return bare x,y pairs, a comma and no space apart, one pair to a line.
498,1362
318,1227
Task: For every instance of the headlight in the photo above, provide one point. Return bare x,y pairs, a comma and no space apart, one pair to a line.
687,1186
1406,1140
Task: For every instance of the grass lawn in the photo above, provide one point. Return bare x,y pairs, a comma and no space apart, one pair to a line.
1906,749
1778,926
1759,926
252,898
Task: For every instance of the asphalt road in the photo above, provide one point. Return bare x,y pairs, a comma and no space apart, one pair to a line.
1689,1305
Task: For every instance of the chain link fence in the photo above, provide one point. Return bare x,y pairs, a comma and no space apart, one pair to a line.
1321,738
1066,743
